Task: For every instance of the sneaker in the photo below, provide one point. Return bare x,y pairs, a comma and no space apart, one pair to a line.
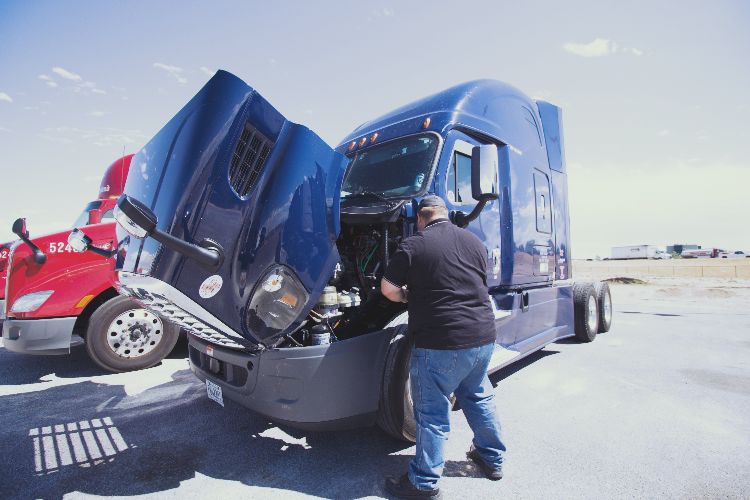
401,487
491,472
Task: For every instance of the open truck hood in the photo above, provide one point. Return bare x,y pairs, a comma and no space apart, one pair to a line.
231,169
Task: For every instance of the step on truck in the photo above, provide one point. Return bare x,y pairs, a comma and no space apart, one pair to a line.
268,246
59,296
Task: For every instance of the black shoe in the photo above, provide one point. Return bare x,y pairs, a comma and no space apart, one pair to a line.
401,487
492,473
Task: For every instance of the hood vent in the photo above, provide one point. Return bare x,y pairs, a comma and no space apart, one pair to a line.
248,159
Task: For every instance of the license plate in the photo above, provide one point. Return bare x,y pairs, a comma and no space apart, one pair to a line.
214,392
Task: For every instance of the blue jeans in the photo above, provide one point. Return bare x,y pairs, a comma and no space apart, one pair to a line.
435,374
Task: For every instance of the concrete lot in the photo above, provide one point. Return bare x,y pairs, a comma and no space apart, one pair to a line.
657,407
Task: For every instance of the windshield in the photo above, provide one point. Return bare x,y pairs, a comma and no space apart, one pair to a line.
398,168
83,219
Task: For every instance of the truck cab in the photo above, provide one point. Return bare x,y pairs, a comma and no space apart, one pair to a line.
59,297
268,246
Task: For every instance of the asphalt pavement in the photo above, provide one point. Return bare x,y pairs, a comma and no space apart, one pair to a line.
656,408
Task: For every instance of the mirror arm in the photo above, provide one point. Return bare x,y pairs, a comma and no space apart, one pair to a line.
39,256
462,220
101,251
207,253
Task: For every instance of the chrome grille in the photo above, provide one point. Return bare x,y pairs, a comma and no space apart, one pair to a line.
248,159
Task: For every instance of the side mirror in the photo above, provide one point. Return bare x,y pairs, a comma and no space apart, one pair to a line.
484,172
80,242
138,220
135,217
19,228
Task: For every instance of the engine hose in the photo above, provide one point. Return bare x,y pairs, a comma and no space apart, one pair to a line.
385,244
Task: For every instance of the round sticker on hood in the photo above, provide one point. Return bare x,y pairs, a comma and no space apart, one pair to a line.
210,286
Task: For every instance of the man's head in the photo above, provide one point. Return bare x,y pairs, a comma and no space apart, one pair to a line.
430,208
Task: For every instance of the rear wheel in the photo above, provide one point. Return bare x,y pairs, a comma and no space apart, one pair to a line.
604,299
122,336
586,312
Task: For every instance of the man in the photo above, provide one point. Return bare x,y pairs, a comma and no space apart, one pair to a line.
442,271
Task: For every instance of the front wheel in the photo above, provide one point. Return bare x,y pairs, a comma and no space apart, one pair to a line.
122,336
396,411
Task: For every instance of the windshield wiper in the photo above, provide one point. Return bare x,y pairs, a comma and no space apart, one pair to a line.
366,194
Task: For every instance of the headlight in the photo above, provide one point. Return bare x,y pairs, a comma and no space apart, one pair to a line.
30,301
276,302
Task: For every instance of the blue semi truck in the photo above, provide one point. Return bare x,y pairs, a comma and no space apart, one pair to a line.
268,246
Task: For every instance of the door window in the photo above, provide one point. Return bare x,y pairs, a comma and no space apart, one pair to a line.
458,189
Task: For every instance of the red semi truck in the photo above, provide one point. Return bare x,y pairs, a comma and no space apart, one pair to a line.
4,251
57,297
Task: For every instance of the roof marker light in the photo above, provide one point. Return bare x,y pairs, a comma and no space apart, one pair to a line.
351,146
373,137
426,122
362,141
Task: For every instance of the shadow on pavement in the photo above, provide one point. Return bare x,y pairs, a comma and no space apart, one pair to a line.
96,439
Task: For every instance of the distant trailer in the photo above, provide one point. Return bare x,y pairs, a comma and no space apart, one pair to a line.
636,252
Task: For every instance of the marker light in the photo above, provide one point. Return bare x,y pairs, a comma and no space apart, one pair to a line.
373,137
362,141
30,301
351,146
426,122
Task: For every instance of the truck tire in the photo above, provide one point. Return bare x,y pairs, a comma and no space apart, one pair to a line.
586,312
395,412
604,300
122,336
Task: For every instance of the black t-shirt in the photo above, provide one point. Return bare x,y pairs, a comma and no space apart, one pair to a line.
444,268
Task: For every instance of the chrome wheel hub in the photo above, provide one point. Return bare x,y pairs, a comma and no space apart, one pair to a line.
134,333
593,317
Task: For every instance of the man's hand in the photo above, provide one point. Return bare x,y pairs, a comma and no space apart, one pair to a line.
392,292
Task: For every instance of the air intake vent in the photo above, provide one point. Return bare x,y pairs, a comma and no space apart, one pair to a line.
248,159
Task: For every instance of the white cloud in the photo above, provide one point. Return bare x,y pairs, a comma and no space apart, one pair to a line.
663,133
97,113
175,71
209,72
5,97
388,12
51,84
597,48
68,75
46,78
5,129
98,91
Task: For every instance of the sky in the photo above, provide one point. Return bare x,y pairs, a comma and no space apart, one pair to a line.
654,94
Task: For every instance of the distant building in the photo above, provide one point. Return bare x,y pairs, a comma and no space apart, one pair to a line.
679,247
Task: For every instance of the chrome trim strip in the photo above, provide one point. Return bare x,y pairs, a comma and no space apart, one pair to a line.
171,304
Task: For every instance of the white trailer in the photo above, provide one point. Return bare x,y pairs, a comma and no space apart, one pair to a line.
636,252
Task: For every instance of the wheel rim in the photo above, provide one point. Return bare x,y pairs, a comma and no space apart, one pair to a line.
607,308
134,333
592,316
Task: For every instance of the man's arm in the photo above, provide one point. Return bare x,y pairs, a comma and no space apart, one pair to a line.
392,292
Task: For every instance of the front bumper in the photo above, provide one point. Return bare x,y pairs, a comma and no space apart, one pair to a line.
39,336
326,387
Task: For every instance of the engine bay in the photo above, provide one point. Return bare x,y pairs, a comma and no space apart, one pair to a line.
351,304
